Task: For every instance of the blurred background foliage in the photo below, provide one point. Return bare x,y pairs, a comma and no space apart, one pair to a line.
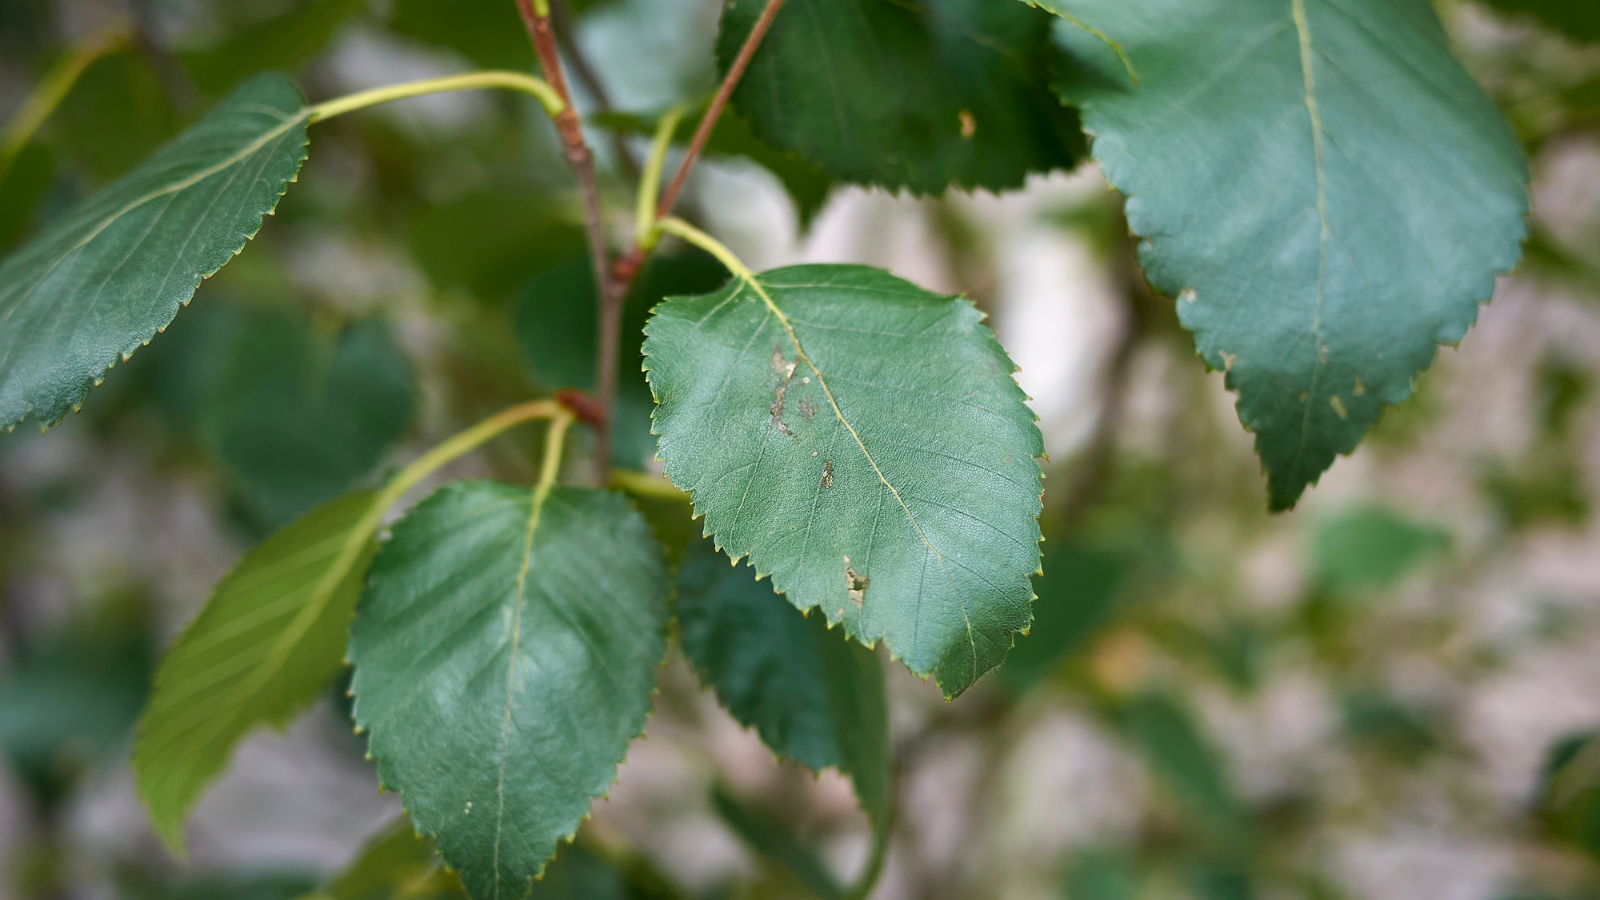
1391,692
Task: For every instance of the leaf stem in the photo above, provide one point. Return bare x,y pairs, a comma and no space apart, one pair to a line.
55,86
708,122
644,485
554,439
650,181
536,17
466,441
554,104
679,228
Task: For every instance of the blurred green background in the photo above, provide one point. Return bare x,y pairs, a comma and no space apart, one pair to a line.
1393,692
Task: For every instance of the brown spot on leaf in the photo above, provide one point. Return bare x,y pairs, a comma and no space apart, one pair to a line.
969,125
855,584
827,480
807,408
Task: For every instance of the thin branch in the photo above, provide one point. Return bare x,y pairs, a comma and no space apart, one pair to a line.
628,265
536,16
561,13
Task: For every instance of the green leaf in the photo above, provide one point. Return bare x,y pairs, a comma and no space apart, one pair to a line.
22,188
1371,547
578,873
1102,875
812,695
1076,597
299,415
1170,741
505,654
905,95
863,441
102,280
489,32
1578,19
68,701
397,862
119,94
494,241
770,836
286,41
1322,186
270,638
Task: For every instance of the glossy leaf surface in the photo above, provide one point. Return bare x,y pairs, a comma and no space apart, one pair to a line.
863,441
505,654
1322,186
812,695
902,95
269,640
102,280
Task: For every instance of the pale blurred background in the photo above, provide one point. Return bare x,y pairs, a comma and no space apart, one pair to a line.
1386,694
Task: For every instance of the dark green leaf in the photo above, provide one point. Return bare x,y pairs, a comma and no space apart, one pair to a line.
1077,595
900,94
1170,741
770,836
1578,19
1102,875
101,281
863,441
270,638
556,323
1371,547
488,32
299,416
116,115
397,862
813,696
286,42
505,654
22,187
578,873
492,242
68,702
1322,186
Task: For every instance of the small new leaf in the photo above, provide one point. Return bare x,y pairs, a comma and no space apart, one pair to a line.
1320,183
812,695
99,283
863,441
505,654
270,638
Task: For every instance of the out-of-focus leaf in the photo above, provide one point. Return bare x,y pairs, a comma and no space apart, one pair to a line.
1386,724
770,837
1221,881
863,441
811,694
23,187
1578,19
1569,792
492,242
578,873
904,95
233,886
300,416
505,653
1101,875
101,281
270,638
1322,186
285,42
395,863
116,115
488,32
68,702
1369,547
1168,738
1076,595
556,321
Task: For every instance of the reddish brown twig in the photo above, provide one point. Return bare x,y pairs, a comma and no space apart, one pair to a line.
627,266
541,32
